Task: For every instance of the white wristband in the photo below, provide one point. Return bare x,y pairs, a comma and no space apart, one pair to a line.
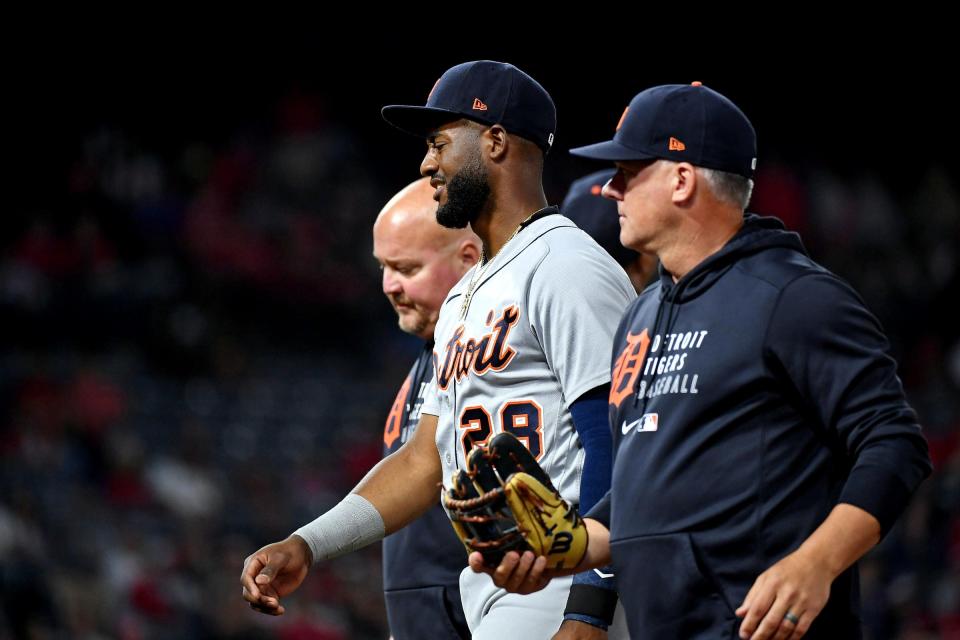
352,524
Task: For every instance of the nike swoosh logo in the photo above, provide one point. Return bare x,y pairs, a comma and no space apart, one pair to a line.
626,428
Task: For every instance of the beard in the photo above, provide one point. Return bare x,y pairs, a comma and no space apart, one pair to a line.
467,194
415,325
415,319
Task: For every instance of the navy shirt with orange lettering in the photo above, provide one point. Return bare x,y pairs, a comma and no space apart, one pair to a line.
747,400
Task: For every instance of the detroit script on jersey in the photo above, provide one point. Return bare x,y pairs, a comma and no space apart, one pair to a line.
489,352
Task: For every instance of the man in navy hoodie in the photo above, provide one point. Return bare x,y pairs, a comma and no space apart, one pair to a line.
762,440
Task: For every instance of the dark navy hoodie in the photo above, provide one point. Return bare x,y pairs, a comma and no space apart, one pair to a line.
747,400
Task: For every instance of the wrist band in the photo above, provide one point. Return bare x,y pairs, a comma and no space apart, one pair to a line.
595,602
350,525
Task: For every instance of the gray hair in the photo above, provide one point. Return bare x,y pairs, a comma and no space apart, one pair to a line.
729,187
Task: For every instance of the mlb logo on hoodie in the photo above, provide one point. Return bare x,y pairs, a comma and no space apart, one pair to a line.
646,422
649,422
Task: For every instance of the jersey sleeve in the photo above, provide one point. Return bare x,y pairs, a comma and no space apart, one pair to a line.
835,355
576,298
431,399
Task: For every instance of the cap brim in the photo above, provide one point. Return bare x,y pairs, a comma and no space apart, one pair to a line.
417,121
610,150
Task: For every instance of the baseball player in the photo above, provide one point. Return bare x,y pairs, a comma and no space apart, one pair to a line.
420,261
520,345
763,441
589,210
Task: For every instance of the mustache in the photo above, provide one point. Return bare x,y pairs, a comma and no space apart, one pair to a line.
400,299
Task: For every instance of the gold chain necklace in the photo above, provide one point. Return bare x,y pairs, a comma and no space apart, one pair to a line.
482,265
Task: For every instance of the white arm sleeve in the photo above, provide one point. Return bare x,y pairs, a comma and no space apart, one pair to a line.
352,524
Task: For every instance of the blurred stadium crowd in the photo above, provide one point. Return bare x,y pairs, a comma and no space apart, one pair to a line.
199,359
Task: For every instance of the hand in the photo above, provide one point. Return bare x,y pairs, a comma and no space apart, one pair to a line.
516,573
274,571
526,574
798,584
576,630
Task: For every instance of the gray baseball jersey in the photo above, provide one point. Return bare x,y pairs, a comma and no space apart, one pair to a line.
536,335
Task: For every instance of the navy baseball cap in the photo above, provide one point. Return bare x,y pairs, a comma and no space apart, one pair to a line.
682,122
597,215
485,91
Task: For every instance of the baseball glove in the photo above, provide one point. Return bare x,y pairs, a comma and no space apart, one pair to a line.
503,501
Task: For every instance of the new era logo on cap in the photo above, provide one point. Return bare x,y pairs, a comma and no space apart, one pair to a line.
690,123
478,105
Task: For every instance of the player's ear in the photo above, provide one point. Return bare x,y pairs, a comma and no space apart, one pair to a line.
683,182
467,253
495,141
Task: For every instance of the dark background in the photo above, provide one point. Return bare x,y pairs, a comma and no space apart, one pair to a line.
198,358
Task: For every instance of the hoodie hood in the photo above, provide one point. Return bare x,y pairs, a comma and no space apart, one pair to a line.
758,233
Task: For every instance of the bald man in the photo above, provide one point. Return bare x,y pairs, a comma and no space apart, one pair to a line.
421,261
